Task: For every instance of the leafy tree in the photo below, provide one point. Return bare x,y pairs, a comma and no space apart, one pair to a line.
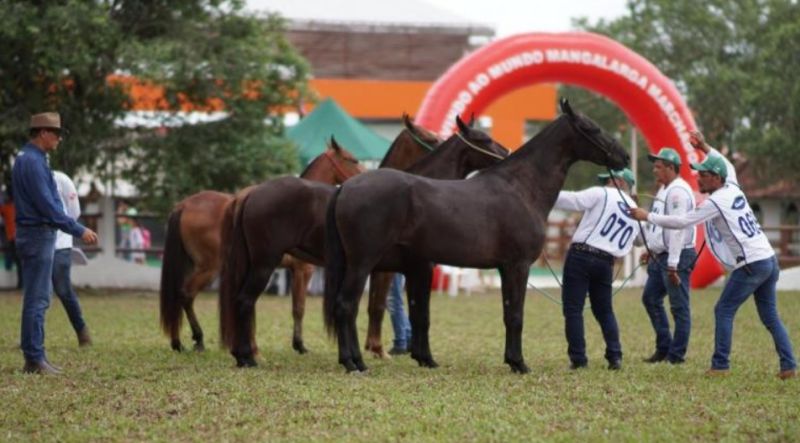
206,55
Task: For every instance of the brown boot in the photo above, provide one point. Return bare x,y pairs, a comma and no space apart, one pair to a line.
39,367
717,372
84,339
787,374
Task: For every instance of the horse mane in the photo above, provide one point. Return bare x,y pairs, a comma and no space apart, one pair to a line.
309,166
395,143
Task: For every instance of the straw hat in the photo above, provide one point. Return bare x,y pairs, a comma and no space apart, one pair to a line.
46,120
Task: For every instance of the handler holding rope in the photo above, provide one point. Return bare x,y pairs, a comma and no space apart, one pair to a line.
605,231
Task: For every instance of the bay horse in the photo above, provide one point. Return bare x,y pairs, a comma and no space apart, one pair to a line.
192,244
392,221
287,215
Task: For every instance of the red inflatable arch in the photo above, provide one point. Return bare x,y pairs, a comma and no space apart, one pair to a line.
648,98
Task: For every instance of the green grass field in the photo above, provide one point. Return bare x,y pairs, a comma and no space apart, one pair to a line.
129,386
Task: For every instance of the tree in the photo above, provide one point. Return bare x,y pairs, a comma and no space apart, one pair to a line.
732,60
205,55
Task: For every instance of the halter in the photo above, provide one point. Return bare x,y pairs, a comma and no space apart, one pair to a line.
344,175
420,141
479,149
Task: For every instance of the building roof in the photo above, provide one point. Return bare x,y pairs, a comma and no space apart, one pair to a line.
367,15
329,119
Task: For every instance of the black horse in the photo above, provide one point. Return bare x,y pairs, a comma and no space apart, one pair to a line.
287,216
391,221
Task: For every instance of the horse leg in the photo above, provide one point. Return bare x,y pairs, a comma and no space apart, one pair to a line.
302,272
514,280
197,281
346,312
379,285
418,286
244,347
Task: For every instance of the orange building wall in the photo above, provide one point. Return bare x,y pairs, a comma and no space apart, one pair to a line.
382,99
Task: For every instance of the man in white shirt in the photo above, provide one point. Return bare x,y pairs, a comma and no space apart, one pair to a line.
605,231
62,261
670,267
732,227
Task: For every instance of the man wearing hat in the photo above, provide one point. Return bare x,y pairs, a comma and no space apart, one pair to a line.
606,231
669,268
732,227
39,215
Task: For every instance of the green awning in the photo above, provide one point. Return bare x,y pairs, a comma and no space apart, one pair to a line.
328,119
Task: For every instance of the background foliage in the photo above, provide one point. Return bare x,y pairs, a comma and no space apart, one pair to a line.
58,55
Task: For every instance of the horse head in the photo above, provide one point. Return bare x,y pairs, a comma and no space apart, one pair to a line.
482,150
422,136
591,143
333,166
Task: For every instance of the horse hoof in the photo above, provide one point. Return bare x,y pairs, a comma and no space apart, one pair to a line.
177,346
298,346
519,368
199,347
360,365
246,362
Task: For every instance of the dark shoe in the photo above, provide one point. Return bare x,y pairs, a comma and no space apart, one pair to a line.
787,374
717,372
676,361
398,351
575,365
84,339
40,367
615,365
655,358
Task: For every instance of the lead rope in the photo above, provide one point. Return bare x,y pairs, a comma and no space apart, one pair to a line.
479,149
420,141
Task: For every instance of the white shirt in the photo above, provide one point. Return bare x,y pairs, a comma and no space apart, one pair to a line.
606,223
734,234
677,198
72,206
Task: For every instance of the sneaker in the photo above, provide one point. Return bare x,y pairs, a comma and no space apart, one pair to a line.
615,365
787,374
84,339
575,365
717,372
398,351
655,358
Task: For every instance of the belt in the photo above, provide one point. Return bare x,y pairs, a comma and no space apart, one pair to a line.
583,247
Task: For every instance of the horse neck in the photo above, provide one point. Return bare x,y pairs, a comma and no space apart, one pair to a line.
404,152
449,162
319,173
539,168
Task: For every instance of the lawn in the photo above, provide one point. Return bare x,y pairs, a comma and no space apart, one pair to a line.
129,386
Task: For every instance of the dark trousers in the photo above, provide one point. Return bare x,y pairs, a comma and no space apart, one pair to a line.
585,273
62,285
658,286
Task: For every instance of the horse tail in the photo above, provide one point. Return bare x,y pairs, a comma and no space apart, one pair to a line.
235,262
176,265
334,266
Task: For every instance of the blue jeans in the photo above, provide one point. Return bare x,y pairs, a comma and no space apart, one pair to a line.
400,323
62,285
585,272
655,289
35,247
759,279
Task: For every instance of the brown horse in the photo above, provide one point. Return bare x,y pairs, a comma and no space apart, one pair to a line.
391,221
288,215
192,244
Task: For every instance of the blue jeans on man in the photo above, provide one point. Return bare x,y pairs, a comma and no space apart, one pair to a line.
586,272
670,347
35,247
62,285
400,323
759,279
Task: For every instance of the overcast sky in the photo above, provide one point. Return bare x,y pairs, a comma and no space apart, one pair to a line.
516,16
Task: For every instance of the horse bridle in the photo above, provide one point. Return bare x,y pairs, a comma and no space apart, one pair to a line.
337,167
420,141
478,148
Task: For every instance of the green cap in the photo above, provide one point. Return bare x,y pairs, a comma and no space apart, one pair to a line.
668,155
625,174
713,164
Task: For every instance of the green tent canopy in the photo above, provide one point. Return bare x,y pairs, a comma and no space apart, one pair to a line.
328,119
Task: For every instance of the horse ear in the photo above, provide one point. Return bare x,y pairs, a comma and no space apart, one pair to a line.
407,122
471,120
566,108
335,146
462,127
